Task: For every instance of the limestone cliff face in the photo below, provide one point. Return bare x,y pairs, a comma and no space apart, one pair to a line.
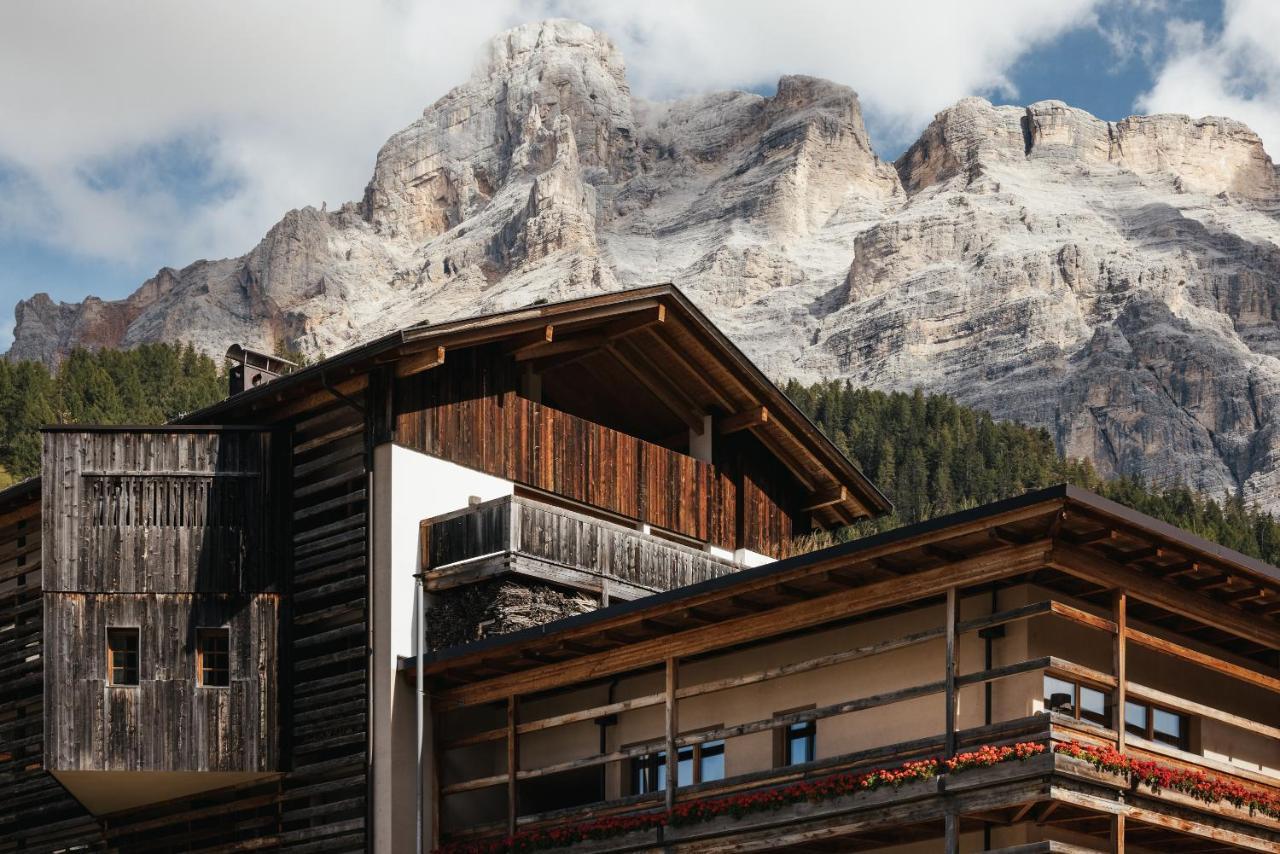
1115,282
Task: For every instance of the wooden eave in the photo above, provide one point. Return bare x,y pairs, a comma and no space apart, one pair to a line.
1051,534
653,334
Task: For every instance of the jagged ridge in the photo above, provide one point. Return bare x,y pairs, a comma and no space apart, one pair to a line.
1112,281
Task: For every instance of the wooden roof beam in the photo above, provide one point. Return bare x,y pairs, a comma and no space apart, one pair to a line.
424,361
694,370
825,497
672,398
754,417
531,341
578,344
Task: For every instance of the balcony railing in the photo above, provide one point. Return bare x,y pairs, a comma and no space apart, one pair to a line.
518,535
1037,781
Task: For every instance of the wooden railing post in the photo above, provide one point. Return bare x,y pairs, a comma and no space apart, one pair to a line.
952,830
513,764
1119,667
673,765
953,608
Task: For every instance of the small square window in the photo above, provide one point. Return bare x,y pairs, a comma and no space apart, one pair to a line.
213,657
122,656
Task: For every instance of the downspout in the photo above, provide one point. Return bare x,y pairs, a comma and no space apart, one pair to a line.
419,641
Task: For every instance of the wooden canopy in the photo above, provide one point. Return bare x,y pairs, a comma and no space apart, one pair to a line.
1062,537
647,357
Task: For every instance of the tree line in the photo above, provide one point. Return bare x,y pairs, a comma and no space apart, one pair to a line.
932,456
149,384
928,453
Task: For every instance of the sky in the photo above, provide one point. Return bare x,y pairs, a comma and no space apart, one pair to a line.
137,135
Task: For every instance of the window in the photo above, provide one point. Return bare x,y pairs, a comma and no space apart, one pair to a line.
213,657
795,743
1076,700
1156,724
697,763
122,656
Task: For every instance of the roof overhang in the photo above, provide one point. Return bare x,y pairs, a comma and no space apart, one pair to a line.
1060,530
656,333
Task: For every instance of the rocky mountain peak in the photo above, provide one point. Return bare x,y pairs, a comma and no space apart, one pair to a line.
1115,282
1209,155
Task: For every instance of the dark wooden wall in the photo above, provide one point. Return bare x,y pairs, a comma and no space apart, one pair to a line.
768,492
167,530
320,803
467,411
36,813
166,512
167,722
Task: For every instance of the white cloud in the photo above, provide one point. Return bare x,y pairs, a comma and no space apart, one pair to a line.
1234,73
282,104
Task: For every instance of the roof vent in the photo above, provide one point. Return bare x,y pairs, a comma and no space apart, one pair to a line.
250,369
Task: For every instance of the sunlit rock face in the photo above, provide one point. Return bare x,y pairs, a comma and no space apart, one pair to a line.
1114,282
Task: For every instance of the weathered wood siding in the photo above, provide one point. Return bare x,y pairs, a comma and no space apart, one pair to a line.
167,722
325,795
160,511
468,412
36,813
769,494
564,538
167,530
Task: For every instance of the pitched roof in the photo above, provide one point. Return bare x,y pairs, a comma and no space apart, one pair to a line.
680,357
1056,525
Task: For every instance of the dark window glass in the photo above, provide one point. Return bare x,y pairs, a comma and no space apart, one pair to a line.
684,766
711,762
1135,718
649,773
214,657
801,741
122,656
1059,695
1168,727
1093,706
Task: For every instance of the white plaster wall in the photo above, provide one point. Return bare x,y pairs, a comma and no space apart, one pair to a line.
421,487
408,487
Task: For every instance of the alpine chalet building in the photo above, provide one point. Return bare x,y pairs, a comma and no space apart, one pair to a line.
521,582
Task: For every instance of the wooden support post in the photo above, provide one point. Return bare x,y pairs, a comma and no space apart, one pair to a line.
953,608
1119,667
952,830
673,765
1117,832
513,765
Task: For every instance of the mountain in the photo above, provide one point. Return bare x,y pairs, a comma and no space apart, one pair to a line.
1117,283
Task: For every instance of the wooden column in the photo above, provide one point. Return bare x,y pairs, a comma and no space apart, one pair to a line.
673,765
1117,833
1119,667
952,831
513,764
953,608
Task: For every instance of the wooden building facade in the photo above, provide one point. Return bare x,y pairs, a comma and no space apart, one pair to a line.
1051,673
203,621
209,631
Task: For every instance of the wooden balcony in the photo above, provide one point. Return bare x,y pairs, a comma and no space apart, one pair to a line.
514,535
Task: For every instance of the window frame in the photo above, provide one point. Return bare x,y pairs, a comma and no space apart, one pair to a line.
782,737
135,632
652,765
1077,712
202,633
1184,741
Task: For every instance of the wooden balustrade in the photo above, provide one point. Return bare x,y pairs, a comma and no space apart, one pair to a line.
950,685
